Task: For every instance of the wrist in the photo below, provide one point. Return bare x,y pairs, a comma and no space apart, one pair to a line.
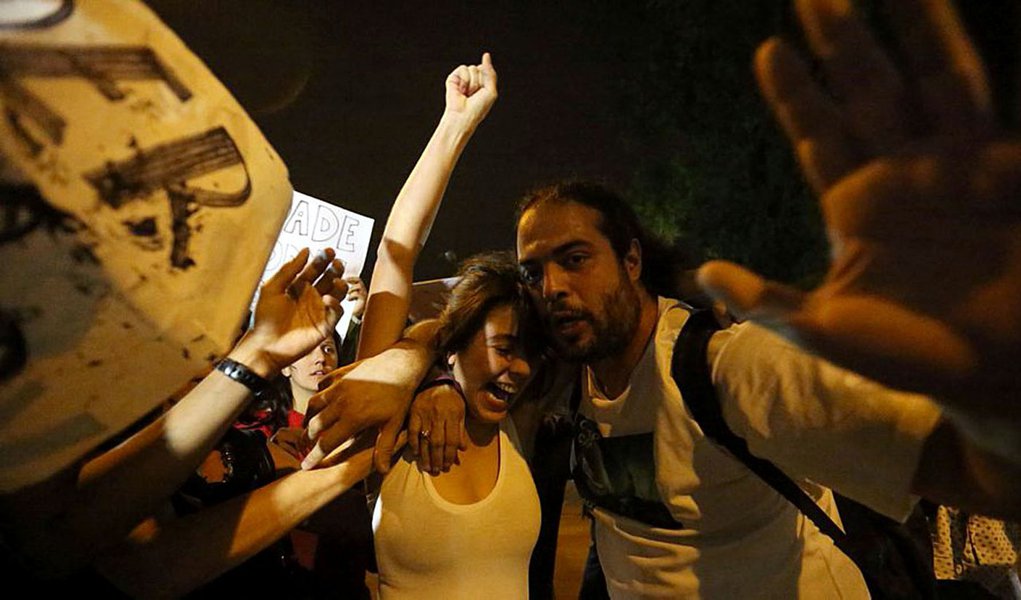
259,386
251,354
438,378
458,125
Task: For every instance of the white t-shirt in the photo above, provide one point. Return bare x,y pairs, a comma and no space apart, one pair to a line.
428,547
820,422
740,539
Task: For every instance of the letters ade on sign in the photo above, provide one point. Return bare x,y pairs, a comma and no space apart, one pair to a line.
327,227
316,224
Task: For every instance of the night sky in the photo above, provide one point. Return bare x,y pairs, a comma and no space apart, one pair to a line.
349,92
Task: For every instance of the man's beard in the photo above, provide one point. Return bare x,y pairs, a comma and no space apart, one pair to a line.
611,332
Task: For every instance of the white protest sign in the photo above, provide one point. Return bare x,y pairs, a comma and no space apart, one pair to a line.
317,225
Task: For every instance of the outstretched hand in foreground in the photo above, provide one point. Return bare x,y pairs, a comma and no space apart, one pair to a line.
298,307
919,192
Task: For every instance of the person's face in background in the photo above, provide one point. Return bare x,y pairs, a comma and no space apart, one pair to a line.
309,370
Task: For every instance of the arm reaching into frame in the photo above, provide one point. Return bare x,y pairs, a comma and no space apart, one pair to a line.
62,523
918,187
170,559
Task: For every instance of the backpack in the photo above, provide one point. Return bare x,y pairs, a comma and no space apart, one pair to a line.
895,559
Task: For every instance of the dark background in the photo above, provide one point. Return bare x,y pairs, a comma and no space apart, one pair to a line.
655,98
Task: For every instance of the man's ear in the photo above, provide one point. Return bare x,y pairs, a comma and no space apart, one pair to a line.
633,260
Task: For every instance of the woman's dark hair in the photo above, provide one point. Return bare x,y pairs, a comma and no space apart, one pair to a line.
486,281
662,264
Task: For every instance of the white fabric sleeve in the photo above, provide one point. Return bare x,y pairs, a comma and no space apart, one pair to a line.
820,422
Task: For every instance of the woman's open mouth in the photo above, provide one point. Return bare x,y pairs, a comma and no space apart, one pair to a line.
503,392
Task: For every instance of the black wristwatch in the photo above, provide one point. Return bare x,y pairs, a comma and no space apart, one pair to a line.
245,376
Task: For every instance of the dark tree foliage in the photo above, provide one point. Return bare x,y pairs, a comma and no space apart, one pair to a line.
713,168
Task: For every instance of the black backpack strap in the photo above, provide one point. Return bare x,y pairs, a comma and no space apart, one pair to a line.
690,370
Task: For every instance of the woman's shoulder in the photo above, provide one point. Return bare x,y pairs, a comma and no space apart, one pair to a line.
403,484
509,433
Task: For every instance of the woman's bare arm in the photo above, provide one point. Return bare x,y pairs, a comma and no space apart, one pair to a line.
470,92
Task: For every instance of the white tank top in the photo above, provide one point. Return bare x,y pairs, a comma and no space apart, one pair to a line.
427,547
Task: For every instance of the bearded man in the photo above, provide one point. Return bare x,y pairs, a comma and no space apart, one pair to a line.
673,512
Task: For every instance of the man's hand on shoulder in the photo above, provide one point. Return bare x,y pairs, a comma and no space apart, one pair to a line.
436,428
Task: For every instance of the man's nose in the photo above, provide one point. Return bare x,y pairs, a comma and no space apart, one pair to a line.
554,282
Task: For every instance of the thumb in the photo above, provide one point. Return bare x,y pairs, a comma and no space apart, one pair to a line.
385,443
488,72
747,294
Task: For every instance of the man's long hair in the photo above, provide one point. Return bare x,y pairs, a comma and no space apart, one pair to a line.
661,263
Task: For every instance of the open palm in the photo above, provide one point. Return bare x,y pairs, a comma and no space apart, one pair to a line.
298,307
918,188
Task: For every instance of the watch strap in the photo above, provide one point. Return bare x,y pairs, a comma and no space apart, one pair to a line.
243,375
